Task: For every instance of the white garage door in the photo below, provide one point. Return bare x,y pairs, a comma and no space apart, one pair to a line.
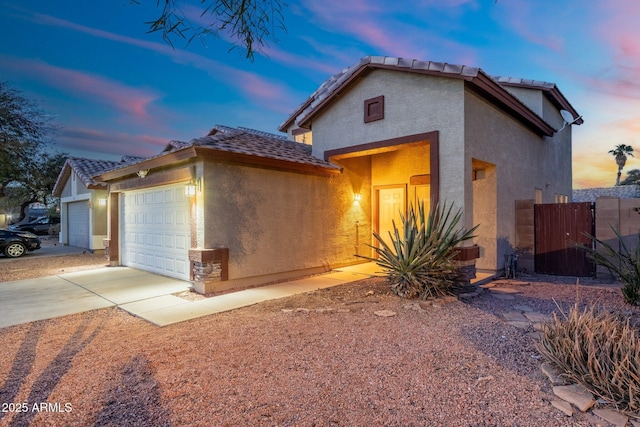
78,224
156,233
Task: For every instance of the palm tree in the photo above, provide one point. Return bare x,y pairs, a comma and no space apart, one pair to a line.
620,153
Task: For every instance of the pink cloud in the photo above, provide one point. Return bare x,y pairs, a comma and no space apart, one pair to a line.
127,99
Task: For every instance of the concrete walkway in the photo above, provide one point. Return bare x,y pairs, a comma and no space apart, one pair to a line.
148,296
145,295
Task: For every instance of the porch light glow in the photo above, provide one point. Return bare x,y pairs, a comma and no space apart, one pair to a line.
191,188
356,197
102,202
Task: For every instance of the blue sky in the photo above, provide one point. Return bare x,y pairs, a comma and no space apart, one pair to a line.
116,90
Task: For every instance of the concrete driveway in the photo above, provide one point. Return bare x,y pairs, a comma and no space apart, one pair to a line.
144,295
47,297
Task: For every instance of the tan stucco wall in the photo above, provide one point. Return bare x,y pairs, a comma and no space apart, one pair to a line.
274,221
413,104
523,162
99,213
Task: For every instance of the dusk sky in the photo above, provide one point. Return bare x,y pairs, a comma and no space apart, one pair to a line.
115,90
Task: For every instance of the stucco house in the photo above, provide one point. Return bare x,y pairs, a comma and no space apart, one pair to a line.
83,201
240,207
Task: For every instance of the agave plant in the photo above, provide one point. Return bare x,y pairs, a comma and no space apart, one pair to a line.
623,263
419,261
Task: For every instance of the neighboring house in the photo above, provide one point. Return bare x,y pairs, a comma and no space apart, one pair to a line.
619,191
240,207
83,207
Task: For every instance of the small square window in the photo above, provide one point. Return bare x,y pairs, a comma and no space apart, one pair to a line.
374,109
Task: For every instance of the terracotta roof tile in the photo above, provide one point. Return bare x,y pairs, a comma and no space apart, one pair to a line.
261,144
86,169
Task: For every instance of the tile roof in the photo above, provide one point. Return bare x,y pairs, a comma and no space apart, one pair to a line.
247,143
336,83
86,169
261,144
620,191
550,89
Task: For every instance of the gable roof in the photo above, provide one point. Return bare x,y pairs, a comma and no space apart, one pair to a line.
550,90
86,169
235,145
477,78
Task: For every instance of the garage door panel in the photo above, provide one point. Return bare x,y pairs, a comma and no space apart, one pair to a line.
157,232
78,224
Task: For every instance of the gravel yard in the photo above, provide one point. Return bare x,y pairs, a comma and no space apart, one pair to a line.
316,359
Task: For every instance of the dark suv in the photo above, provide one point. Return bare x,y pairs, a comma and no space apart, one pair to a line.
42,225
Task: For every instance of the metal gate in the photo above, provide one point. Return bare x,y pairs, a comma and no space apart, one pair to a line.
558,227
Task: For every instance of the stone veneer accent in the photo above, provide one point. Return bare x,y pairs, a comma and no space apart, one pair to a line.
208,267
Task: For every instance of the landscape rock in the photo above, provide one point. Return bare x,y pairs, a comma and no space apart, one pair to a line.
552,373
514,316
488,285
384,313
614,417
577,395
536,317
563,406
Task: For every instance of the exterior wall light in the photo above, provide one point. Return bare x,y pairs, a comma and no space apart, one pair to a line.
357,197
191,188
102,202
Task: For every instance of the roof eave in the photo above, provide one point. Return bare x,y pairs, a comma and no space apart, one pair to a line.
554,95
63,176
155,162
214,154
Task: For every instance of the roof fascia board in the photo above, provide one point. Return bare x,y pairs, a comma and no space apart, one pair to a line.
494,91
242,159
155,162
63,177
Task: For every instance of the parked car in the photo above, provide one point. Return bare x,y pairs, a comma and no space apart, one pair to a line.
42,225
16,243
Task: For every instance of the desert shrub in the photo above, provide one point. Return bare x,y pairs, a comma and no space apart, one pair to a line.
419,261
624,263
598,350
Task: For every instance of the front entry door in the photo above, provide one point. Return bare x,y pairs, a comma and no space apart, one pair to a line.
391,203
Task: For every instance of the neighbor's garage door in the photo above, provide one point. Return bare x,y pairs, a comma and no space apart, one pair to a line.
155,231
78,225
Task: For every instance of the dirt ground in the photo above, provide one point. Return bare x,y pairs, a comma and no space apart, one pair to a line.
323,358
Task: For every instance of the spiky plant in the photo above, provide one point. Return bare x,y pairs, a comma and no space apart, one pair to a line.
623,263
598,350
419,261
